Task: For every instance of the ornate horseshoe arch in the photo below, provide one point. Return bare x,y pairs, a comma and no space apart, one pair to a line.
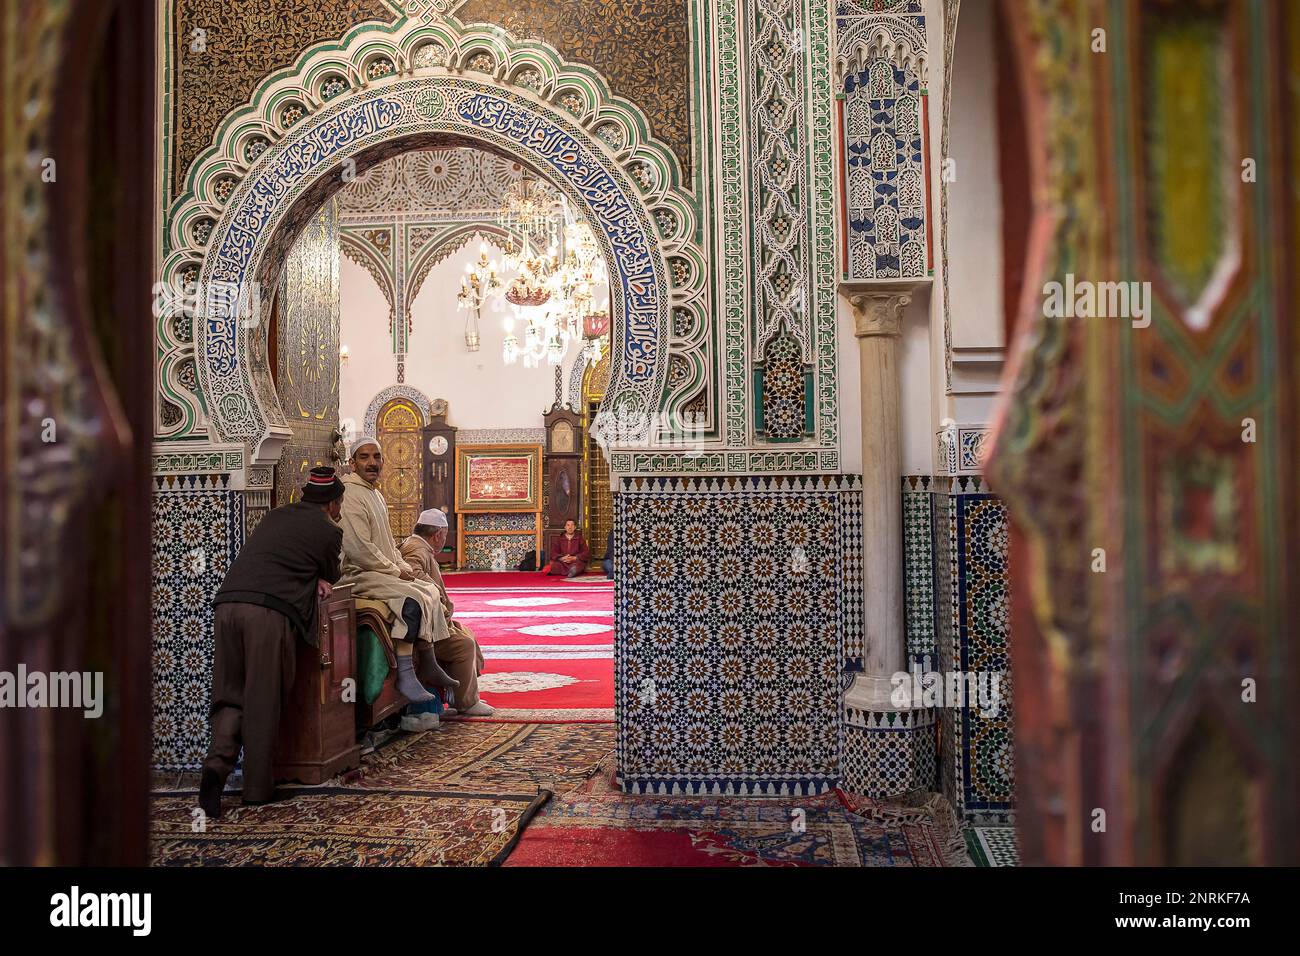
381,93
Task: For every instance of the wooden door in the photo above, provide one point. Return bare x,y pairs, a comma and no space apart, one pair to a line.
400,426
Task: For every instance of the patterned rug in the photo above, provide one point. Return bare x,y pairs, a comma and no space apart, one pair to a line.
457,796
597,825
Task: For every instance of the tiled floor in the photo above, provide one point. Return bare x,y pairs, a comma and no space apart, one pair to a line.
993,846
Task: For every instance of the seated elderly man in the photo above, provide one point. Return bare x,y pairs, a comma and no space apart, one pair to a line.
378,573
459,653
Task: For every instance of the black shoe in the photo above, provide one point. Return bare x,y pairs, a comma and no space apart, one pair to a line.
210,786
277,794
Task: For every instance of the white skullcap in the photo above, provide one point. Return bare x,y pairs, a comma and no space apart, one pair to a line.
360,443
434,517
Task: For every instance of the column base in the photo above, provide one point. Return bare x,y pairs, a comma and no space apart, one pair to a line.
888,753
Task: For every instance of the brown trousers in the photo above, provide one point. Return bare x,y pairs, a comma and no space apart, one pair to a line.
458,655
252,673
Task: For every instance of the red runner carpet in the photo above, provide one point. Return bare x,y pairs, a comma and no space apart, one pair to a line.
598,825
548,643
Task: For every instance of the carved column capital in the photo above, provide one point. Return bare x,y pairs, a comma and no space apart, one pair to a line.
879,313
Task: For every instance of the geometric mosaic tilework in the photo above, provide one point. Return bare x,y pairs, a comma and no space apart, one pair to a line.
852,607
500,522
728,607
783,390
481,550
197,531
891,754
993,846
977,769
919,570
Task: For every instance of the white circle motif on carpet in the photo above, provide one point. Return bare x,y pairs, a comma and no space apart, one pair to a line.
565,629
516,681
530,601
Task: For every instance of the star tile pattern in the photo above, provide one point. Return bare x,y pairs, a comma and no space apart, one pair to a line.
730,602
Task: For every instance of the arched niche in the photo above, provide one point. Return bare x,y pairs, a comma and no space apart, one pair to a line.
379,90
294,177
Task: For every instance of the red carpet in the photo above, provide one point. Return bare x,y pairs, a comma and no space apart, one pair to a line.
519,579
598,825
548,643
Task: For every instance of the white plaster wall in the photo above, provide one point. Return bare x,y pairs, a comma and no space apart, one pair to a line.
975,196
850,390
482,391
914,411
363,328
975,220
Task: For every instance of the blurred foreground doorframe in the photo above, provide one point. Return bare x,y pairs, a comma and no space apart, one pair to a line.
77,139
1123,443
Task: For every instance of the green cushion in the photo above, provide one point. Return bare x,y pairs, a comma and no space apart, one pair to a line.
372,664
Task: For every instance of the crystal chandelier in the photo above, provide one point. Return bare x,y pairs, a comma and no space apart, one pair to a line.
532,287
577,282
531,207
555,293
480,282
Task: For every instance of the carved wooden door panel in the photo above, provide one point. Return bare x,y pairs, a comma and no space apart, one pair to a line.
401,430
77,387
307,352
1147,456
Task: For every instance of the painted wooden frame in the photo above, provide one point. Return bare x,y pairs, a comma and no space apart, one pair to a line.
480,468
473,500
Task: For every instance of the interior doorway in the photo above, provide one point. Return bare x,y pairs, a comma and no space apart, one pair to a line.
598,499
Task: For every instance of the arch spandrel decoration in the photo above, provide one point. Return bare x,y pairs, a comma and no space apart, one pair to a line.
412,394
421,85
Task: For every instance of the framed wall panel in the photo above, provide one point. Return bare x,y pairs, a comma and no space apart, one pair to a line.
498,478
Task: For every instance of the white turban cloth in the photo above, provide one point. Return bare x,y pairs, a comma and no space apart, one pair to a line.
360,443
434,517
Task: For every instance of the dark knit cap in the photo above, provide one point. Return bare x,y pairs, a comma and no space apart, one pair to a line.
322,487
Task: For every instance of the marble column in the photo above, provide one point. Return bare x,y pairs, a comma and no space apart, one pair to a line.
890,746
878,320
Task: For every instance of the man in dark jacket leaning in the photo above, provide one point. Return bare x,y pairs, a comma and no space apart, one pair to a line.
267,601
